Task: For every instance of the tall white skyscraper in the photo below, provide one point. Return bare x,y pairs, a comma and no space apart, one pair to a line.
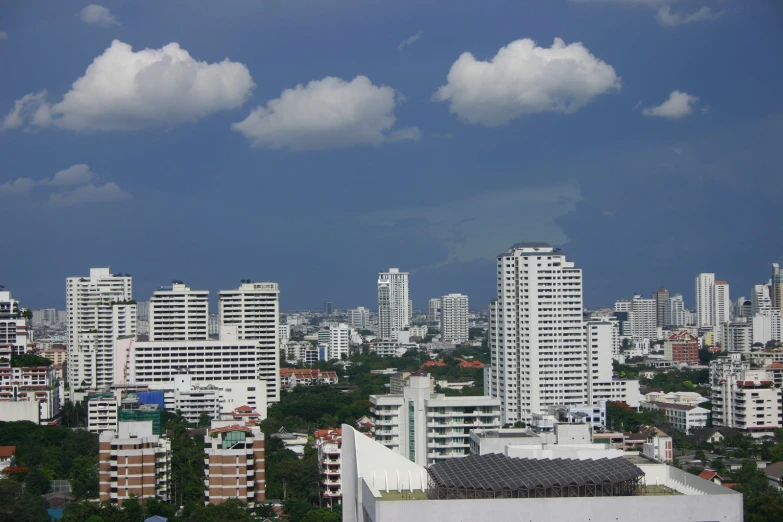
177,313
454,318
393,302
721,307
100,309
643,318
760,299
705,298
254,309
434,310
677,311
536,335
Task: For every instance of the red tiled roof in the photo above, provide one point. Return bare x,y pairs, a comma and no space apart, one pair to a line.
7,451
708,474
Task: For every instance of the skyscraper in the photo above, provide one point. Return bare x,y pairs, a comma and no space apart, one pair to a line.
454,318
721,307
177,313
434,310
776,288
643,318
327,308
705,297
677,311
393,302
662,309
100,309
254,308
536,335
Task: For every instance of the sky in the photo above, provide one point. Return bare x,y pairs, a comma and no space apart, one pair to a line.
316,143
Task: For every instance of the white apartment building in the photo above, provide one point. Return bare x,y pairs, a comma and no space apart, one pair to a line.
643,318
301,351
33,384
254,308
766,326
735,336
359,318
427,427
744,398
389,349
418,331
14,327
454,318
393,302
760,298
721,308
102,413
705,298
683,417
434,310
536,335
214,398
602,339
677,312
284,334
328,443
100,310
177,313
339,341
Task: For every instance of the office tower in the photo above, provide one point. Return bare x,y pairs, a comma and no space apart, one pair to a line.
760,299
393,303
536,336
662,309
254,309
327,308
359,318
100,309
339,341
643,318
133,462
454,318
434,313
235,464
721,307
14,326
676,311
776,288
705,297
177,313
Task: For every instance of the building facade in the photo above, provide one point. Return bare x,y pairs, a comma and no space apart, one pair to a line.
433,316
254,308
705,297
643,318
14,327
393,302
681,347
662,307
100,310
177,313
235,463
359,318
454,318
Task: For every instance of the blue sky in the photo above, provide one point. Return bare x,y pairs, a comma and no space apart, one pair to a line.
169,140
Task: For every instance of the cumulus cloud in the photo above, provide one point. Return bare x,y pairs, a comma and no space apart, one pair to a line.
668,18
409,41
523,78
73,175
328,113
127,90
95,14
678,105
89,194
17,187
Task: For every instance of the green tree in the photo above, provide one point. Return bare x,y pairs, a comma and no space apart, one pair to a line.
36,482
84,476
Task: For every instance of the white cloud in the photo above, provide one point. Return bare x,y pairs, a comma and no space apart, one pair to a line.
328,113
409,41
669,19
523,78
89,194
95,14
3,35
678,105
127,90
17,187
73,175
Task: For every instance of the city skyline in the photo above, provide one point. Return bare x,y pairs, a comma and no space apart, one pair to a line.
675,120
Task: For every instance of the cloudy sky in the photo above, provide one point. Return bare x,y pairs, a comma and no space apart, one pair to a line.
318,142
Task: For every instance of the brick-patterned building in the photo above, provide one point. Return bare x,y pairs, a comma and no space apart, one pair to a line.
681,347
235,464
133,462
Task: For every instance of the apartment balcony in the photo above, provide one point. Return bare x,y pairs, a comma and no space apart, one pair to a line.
331,483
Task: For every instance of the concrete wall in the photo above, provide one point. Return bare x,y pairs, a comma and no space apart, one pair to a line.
12,411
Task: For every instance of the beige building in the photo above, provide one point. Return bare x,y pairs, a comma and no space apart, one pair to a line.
133,462
235,463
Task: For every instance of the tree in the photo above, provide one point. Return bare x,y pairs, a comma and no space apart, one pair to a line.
84,477
204,420
36,482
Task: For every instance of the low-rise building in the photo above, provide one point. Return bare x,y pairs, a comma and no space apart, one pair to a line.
37,384
234,464
681,347
133,462
7,457
682,417
292,377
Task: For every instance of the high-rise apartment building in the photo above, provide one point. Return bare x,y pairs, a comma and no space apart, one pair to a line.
393,302
705,297
359,318
662,307
677,315
434,310
132,462
776,288
760,299
643,318
14,327
454,318
234,455
536,334
177,313
721,307
339,341
100,310
254,308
